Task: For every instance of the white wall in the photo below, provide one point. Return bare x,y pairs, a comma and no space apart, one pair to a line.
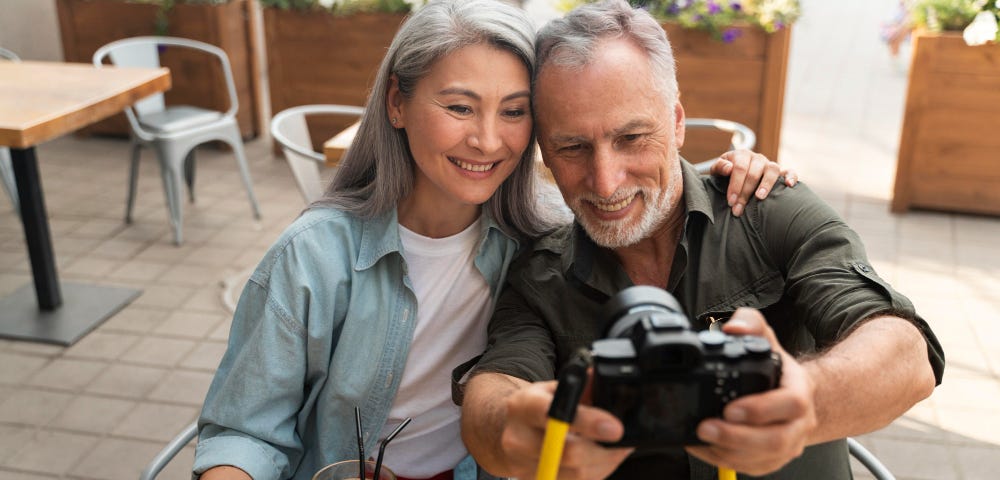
30,28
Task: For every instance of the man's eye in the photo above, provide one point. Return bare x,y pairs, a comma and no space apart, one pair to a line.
631,137
460,109
571,148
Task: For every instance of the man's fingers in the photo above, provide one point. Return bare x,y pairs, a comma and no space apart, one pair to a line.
597,424
773,406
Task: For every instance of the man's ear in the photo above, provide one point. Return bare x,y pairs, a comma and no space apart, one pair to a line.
679,128
394,103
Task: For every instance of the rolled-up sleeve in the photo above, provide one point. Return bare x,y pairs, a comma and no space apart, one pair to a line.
828,272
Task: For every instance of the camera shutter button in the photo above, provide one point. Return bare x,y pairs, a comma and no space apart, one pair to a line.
712,339
757,347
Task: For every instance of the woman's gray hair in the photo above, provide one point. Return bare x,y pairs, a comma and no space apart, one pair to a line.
377,171
570,42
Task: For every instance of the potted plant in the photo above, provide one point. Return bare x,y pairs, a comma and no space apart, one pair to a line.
327,51
947,152
86,25
732,56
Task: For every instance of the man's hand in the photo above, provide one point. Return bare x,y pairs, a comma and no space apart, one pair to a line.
524,414
760,433
751,174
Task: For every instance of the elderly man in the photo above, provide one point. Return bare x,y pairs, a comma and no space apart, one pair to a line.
610,124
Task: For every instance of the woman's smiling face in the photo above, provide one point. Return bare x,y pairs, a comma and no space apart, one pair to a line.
468,123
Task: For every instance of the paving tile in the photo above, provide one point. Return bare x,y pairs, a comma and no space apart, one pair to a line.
156,421
916,460
16,368
91,267
221,332
979,462
189,324
92,414
67,374
206,300
139,271
29,406
33,348
183,387
99,228
180,467
53,452
118,249
119,459
164,296
159,351
104,345
128,381
135,319
7,474
972,426
190,275
12,439
205,356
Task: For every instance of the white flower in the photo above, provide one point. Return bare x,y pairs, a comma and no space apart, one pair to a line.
327,3
983,29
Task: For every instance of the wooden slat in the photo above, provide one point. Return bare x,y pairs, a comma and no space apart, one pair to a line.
40,101
948,146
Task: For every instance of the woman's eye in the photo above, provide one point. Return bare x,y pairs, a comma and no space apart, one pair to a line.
515,113
460,109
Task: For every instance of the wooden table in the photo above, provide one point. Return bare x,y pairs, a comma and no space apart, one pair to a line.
40,101
335,147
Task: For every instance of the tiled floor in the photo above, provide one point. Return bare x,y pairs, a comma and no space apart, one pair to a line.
102,408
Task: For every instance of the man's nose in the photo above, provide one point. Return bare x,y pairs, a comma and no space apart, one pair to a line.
607,172
485,137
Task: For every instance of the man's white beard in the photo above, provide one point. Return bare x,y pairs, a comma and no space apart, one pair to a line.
621,233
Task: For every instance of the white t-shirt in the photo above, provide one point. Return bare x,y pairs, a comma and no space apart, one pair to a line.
453,308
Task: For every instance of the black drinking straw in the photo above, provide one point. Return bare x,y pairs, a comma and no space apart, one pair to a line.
361,444
381,447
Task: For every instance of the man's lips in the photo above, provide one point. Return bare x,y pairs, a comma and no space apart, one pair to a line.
615,206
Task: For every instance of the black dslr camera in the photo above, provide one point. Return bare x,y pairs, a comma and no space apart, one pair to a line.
661,378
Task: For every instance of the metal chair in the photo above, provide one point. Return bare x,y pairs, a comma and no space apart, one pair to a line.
174,131
861,454
6,169
288,128
743,137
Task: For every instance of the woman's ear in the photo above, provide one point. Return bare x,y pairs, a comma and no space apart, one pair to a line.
394,103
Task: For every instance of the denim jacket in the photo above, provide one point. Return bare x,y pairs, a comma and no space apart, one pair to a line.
323,325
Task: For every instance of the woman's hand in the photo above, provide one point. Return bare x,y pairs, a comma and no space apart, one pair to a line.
750,174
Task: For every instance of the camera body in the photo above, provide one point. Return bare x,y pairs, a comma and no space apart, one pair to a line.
661,378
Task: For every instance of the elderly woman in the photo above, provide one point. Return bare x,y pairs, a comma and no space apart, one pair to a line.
378,290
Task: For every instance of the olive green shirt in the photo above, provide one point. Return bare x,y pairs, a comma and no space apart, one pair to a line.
790,256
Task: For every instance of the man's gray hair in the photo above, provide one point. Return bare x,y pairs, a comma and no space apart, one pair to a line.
377,171
570,42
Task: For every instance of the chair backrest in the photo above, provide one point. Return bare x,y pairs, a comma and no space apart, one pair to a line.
8,55
742,136
145,52
289,129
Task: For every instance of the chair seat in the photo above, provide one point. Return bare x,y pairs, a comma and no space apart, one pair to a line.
177,118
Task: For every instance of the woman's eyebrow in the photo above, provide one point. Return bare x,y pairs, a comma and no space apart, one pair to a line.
471,94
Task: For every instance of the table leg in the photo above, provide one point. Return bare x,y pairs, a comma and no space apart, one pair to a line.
36,228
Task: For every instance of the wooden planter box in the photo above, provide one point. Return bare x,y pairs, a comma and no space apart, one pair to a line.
742,81
86,25
315,57
948,148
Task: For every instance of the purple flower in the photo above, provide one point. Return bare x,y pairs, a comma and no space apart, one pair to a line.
713,8
735,6
730,35
778,25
